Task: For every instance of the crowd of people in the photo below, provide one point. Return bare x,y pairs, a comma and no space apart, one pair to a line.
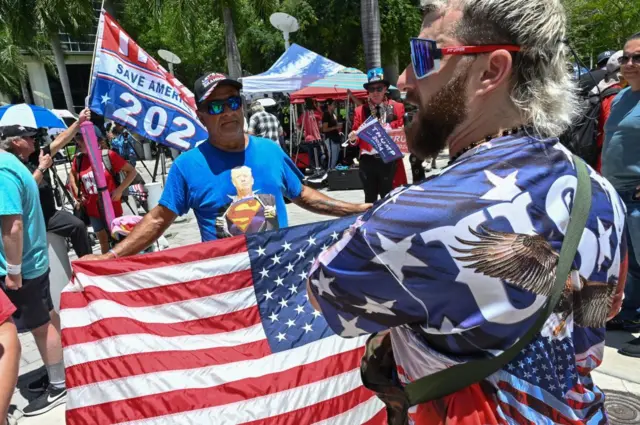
445,273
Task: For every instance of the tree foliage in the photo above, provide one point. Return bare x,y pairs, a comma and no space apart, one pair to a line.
599,25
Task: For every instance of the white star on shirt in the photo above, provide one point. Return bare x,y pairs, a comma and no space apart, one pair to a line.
293,289
393,196
311,240
286,246
325,247
290,323
316,314
279,281
301,254
261,251
300,309
323,284
283,303
105,99
289,267
395,256
303,275
268,295
281,337
273,317
505,188
335,236
604,243
349,327
370,306
307,328
275,259
264,273
560,147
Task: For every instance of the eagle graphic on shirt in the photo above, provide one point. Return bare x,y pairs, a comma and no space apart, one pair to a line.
529,262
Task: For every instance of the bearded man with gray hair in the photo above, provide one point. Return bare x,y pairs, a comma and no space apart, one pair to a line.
456,276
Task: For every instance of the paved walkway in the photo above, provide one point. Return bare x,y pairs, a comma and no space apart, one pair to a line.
619,376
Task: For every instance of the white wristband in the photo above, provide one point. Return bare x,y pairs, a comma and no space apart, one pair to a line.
14,270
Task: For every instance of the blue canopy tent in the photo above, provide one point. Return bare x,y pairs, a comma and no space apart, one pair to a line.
297,68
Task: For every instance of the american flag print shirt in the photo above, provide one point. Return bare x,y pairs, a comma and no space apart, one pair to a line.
458,267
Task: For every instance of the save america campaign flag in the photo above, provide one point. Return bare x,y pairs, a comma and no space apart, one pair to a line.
216,333
130,87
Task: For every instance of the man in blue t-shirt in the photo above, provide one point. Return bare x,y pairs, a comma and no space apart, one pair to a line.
621,166
235,183
24,264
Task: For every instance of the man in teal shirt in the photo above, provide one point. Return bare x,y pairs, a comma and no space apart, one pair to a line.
621,166
24,264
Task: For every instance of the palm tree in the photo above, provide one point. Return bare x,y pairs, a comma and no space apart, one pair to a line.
13,70
226,9
50,17
370,20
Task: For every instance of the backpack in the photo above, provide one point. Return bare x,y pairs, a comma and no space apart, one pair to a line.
582,137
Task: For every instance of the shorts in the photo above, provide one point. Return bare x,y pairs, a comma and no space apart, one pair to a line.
33,302
97,224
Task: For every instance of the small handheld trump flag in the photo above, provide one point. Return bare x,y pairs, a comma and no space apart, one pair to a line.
375,134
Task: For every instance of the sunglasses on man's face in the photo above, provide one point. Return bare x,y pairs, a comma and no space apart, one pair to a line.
631,59
426,56
216,107
379,89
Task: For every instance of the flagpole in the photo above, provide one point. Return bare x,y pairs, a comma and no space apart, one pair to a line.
93,58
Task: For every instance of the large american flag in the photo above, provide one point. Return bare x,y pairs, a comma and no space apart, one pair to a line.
220,332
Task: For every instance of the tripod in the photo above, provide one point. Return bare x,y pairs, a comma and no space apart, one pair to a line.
161,159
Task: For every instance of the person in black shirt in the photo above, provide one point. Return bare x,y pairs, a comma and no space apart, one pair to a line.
59,222
332,130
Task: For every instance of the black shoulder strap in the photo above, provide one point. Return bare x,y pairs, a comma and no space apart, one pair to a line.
455,378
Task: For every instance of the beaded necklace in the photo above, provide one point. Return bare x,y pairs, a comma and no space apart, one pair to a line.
483,141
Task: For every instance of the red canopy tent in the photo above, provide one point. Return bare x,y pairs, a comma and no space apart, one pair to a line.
334,87
323,93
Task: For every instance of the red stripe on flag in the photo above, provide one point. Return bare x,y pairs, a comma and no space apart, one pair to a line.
170,257
513,413
162,294
379,419
122,326
543,408
319,411
184,400
140,364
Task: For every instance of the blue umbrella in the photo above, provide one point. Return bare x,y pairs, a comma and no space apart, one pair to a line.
29,116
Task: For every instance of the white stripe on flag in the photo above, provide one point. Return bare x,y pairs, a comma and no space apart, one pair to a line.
177,312
206,377
125,345
168,275
142,57
359,414
266,406
124,44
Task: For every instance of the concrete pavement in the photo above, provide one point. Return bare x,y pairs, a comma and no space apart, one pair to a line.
619,376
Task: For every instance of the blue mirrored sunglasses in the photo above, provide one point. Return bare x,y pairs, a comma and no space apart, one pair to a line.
426,56
216,107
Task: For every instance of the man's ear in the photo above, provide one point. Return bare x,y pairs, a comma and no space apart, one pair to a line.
496,71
